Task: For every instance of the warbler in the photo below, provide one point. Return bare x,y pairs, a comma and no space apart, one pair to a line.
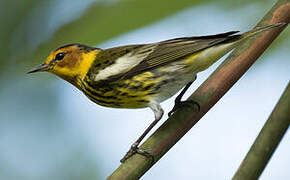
141,75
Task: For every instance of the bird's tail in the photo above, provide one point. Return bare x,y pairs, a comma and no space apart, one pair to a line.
259,30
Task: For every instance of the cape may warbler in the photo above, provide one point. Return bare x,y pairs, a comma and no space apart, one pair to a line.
142,75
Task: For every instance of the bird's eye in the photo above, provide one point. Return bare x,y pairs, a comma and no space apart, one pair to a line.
59,56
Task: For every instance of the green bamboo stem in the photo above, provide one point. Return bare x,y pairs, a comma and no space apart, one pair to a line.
207,95
267,141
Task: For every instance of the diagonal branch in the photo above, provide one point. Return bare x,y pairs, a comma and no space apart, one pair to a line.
267,140
224,77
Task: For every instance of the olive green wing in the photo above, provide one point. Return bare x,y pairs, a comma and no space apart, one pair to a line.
172,50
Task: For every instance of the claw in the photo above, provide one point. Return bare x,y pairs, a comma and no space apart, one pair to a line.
183,104
135,149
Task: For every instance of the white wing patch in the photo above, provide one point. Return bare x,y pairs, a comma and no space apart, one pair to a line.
124,64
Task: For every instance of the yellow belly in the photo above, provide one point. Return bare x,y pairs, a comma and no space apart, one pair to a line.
128,93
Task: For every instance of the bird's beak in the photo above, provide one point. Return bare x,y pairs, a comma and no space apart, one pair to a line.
42,67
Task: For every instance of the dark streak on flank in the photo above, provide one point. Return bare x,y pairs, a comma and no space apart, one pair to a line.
96,94
135,87
132,96
162,83
148,87
98,101
152,93
124,94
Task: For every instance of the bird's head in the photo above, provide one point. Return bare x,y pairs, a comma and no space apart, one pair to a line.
70,62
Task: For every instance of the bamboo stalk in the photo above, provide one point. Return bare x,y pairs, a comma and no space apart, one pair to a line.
267,141
206,95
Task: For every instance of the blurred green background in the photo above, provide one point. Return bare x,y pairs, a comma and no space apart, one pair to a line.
48,130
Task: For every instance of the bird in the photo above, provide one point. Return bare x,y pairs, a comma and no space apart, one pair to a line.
142,75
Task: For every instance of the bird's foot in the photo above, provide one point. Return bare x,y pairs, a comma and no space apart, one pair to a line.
183,104
135,149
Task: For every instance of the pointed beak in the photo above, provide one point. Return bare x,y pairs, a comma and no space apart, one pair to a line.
42,67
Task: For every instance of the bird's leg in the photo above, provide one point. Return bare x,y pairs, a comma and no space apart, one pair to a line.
179,103
158,113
